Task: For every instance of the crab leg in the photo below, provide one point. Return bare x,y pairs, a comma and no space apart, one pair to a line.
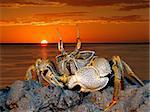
117,81
132,74
28,75
32,70
38,74
50,78
118,68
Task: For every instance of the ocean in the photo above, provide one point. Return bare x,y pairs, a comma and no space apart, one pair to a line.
15,59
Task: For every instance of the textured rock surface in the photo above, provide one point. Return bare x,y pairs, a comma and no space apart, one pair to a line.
29,96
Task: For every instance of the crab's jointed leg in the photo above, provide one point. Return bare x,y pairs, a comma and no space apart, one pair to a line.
38,74
51,78
117,81
132,74
118,68
29,72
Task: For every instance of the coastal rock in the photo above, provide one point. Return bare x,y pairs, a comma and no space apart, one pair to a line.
3,98
29,96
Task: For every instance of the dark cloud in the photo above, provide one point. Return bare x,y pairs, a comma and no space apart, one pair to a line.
129,18
121,4
61,14
20,3
98,2
81,17
132,7
124,5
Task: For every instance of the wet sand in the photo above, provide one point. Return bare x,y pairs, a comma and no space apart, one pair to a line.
15,59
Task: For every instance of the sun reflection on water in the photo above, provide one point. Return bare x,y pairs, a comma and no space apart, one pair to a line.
44,52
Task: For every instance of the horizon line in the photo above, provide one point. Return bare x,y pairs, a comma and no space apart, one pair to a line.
74,43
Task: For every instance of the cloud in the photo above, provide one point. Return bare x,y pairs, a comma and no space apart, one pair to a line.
98,2
45,19
124,19
70,18
132,7
124,5
61,14
21,3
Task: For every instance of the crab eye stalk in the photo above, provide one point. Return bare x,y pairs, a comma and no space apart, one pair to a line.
78,46
60,43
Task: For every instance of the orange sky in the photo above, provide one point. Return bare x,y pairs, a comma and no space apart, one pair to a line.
30,21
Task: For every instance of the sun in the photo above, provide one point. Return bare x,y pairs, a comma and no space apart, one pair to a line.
44,42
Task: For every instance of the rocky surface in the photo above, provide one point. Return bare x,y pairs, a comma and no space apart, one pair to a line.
30,96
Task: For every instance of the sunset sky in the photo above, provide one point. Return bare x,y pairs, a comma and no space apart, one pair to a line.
99,21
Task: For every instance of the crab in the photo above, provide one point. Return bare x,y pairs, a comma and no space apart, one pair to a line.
92,77
92,72
85,69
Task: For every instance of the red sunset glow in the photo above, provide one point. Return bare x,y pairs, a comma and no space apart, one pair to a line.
99,21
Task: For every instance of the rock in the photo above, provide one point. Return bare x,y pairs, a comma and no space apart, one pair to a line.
3,98
17,99
57,99
29,96
15,93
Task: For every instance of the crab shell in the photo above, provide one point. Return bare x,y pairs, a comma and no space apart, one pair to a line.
78,61
91,78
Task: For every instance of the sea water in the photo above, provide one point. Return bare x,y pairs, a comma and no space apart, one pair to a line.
15,59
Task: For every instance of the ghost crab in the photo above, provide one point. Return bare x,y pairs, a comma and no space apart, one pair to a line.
83,68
